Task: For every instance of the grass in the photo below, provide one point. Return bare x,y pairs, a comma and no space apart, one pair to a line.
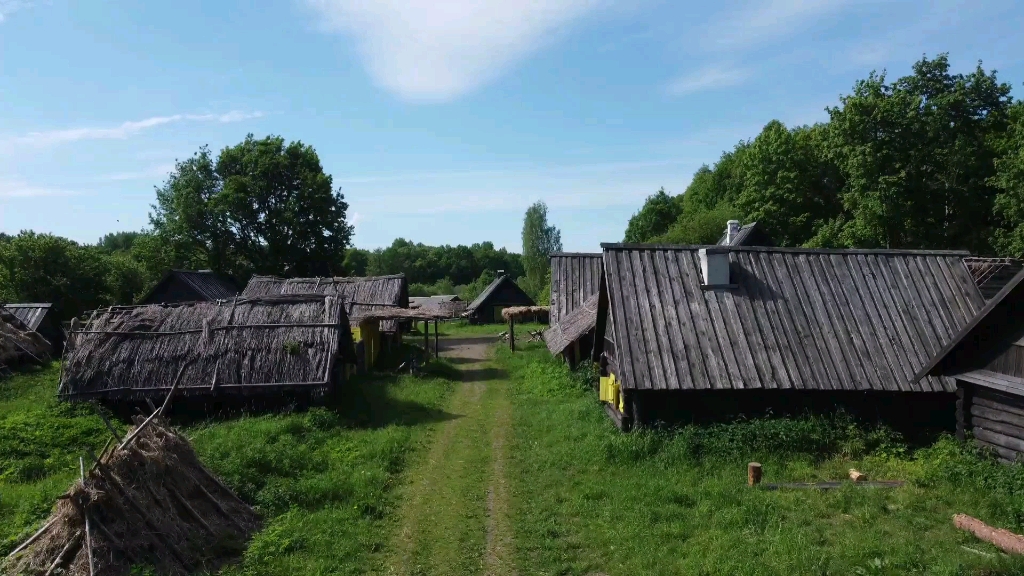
464,328
323,479
591,499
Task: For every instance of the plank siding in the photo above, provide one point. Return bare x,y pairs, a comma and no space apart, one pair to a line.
575,277
792,318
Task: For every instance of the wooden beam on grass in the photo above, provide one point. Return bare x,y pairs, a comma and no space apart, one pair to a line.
1002,539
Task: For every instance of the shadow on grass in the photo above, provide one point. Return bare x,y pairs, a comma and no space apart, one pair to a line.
483,374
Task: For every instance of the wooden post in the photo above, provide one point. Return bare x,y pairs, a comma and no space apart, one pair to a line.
753,474
512,333
437,349
426,338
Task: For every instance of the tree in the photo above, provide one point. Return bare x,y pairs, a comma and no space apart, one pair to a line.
356,262
700,228
656,216
263,207
118,241
539,241
1009,181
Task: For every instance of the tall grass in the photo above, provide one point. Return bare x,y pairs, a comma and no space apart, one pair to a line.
675,501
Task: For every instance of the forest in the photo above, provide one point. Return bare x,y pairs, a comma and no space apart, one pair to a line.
934,159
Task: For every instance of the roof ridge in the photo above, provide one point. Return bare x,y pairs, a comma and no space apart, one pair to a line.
606,246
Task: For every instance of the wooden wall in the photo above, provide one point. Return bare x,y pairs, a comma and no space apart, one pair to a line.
996,419
1010,361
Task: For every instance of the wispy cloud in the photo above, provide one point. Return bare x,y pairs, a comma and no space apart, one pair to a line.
8,7
708,78
158,171
11,189
758,22
121,131
426,50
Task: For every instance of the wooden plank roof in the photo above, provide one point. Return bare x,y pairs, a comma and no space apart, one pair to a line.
575,277
31,314
209,285
796,318
492,288
572,326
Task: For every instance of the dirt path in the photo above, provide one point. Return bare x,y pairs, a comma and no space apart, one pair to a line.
454,518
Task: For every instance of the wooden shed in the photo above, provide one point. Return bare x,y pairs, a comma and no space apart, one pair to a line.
43,319
245,346
575,283
500,294
699,330
191,286
986,359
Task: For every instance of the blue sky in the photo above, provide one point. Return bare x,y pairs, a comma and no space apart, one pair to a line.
442,120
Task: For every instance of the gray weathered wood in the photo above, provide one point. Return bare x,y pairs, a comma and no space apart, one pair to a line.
998,439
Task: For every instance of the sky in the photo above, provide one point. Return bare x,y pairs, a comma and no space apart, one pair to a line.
440,120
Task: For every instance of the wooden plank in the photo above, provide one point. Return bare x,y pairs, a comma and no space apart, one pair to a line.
632,354
693,322
658,328
770,329
962,309
997,415
909,350
827,375
962,276
745,301
1010,400
747,343
833,311
833,485
935,304
978,421
725,350
1003,453
792,309
781,304
689,364
930,335
876,333
862,370
645,324
998,439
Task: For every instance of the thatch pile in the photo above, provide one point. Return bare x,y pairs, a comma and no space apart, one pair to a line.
19,344
151,503
242,346
519,312
361,294
572,326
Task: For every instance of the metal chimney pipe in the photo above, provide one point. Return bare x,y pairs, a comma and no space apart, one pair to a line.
731,230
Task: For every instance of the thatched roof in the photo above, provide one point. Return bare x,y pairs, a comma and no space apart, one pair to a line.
386,314
361,294
18,343
572,326
152,502
243,346
520,311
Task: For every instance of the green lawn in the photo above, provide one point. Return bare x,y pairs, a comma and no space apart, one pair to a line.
323,479
588,498
464,328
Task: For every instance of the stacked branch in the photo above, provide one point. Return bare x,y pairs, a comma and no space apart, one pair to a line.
147,501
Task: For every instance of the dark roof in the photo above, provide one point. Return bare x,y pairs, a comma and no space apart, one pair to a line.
749,235
986,334
572,326
31,314
207,285
432,301
361,294
991,274
575,277
493,287
248,345
796,318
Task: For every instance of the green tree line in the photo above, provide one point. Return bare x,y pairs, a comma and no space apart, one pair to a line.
934,159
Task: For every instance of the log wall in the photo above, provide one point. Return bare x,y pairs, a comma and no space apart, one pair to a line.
996,419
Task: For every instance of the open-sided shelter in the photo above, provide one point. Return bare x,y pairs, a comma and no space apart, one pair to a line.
702,329
986,359
500,294
362,295
575,283
450,305
245,346
43,319
191,286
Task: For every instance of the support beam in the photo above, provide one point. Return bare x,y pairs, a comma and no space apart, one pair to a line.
437,349
512,333
426,338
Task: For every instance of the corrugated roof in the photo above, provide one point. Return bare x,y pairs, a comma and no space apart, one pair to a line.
575,277
796,318
31,314
361,294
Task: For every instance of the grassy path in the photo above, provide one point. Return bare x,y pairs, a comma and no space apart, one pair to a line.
454,517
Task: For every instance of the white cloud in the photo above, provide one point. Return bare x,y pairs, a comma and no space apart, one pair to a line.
758,22
430,50
10,189
708,78
121,131
8,7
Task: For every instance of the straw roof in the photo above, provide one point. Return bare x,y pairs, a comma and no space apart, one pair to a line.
385,314
520,311
572,326
247,345
361,294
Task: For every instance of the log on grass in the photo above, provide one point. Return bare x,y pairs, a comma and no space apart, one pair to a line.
1003,539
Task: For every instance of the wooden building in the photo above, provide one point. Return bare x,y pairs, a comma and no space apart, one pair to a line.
43,319
191,286
449,305
575,284
986,359
361,295
245,346
751,234
991,274
500,294
697,330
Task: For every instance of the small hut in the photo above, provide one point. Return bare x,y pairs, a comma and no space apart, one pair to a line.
362,295
696,331
43,319
500,294
751,234
575,282
991,274
191,286
244,346
986,359
573,336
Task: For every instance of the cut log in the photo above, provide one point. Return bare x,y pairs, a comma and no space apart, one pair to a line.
997,415
753,474
857,476
998,439
1002,539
